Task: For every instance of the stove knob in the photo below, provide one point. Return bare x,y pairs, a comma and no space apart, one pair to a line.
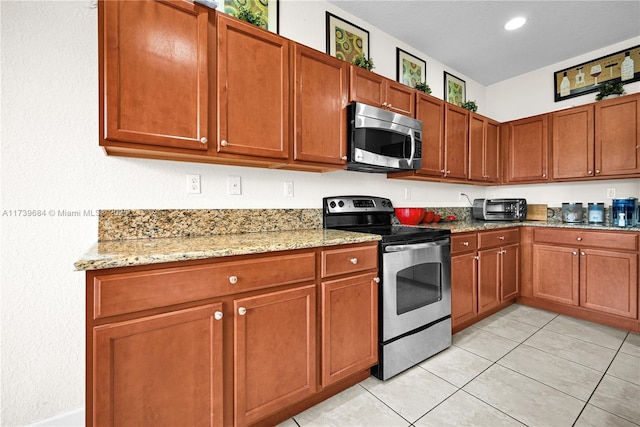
341,203
332,204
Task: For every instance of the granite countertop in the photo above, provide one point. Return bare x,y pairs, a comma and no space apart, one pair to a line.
124,253
472,225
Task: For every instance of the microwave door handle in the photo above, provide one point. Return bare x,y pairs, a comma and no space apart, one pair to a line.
413,146
415,246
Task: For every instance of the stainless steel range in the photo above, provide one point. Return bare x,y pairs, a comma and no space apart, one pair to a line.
415,287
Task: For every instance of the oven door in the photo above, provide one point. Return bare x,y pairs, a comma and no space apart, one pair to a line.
416,287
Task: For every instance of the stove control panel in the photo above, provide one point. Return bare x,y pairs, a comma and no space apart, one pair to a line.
356,204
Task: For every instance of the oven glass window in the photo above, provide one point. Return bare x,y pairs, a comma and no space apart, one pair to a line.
418,286
383,142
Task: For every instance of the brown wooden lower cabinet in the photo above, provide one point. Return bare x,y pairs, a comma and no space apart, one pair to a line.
212,342
484,274
584,273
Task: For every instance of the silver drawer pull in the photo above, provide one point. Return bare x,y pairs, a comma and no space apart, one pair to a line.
465,243
500,237
579,239
354,261
233,280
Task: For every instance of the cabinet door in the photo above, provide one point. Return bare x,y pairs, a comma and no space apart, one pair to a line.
349,327
617,137
275,352
321,92
153,73
400,98
455,141
527,151
430,111
572,143
491,152
509,272
476,147
464,297
556,273
366,87
253,90
488,279
609,282
159,370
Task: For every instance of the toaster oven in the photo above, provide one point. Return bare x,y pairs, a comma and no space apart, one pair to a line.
500,209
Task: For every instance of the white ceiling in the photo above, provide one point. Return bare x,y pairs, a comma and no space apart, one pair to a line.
469,36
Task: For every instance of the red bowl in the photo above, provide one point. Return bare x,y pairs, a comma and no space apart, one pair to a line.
410,216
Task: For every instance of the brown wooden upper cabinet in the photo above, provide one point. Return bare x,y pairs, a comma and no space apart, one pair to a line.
483,148
320,97
373,89
526,156
253,90
617,136
153,65
456,154
597,140
430,111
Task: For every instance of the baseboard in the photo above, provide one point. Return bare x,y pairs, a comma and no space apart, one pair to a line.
73,418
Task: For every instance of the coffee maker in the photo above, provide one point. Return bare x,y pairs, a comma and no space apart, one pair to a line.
624,212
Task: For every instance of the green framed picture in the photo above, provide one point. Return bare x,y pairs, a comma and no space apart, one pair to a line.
267,8
455,89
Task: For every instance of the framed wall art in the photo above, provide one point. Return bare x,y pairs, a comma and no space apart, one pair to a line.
622,66
455,89
267,8
345,40
410,69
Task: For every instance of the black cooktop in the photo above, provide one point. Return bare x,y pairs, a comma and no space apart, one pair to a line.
369,214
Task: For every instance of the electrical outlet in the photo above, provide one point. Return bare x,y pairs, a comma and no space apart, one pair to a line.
611,193
407,193
234,185
193,184
288,189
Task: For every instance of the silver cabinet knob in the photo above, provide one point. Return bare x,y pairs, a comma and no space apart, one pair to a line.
224,143
477,257
582,253
242,311
597,170
384,104
376,279
354,261
579,239
544,175
343,158
590,172
448,171
233,279
465,243
575,252
217,315
389,105
500,237
203,140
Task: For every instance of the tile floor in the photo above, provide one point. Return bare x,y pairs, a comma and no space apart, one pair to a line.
519,367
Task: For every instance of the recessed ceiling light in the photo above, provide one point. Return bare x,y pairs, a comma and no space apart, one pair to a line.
515,23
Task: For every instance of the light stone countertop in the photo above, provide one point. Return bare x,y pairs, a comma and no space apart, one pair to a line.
469,226
124,253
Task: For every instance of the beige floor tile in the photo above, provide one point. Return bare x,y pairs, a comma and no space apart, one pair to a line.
618,397
573,349
507,328
353,407
626,367
412,393
288,423
587,331
596,417
529,315
524,399
483,343
462,410
576,380
631,345
456,365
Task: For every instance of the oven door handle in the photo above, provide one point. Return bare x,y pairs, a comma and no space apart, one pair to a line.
415,246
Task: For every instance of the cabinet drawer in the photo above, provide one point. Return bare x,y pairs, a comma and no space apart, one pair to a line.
487,239
461,243
349,260
598,239
129,292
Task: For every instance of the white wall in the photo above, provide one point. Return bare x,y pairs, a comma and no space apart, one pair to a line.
51,161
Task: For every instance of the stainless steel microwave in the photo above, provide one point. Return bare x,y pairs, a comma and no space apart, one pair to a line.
382,141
